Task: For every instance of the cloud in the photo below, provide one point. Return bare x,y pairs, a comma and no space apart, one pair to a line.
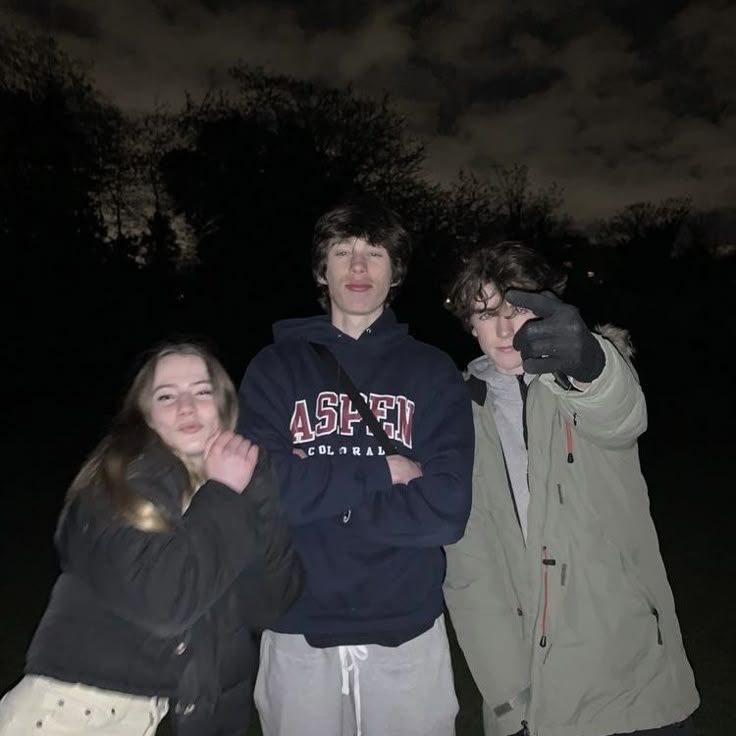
55,15
605,128
615,102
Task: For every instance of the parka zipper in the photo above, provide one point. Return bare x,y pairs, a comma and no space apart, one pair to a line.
568,433
546,562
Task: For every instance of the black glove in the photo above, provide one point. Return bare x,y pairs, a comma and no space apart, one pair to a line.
558,340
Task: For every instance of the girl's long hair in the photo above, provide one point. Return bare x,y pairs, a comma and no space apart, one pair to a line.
105,472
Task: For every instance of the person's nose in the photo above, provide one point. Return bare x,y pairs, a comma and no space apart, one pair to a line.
357,261
504,325
185,404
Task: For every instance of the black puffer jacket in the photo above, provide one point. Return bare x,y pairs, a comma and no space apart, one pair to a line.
172,614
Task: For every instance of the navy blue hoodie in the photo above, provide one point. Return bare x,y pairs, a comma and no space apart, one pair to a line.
372,551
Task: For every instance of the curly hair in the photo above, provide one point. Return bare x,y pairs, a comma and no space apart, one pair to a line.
509,264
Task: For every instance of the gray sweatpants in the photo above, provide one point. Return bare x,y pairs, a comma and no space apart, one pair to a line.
366,690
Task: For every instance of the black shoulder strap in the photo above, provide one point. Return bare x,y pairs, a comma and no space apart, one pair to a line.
477,389
345,382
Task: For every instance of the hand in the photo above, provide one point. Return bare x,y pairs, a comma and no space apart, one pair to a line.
558,340
230,459
402,469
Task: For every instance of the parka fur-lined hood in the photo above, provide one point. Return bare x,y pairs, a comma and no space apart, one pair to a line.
620,337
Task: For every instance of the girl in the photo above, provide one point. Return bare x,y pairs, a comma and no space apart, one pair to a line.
174,553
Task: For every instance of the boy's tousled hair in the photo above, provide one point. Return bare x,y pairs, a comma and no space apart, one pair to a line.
509,264
367,218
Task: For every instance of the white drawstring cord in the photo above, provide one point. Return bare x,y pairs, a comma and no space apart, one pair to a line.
349,657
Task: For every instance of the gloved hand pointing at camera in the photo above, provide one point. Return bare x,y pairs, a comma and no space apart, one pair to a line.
558,341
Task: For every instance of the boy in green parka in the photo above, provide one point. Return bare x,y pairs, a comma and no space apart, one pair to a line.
557,591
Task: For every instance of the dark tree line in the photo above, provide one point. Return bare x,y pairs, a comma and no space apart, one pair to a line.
119,229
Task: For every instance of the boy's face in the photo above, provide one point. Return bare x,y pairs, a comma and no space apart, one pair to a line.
494,323
358,277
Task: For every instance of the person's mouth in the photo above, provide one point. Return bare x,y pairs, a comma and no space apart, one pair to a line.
190,428
359,287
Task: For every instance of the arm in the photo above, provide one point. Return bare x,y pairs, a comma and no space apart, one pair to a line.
608,405
432,509
164,581
320,488
611,410
278,581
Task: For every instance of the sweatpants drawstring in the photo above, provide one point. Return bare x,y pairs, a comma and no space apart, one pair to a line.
349,658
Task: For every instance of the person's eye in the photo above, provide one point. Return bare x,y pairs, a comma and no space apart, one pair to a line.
164,398
341,252
483,316
204,392
377,253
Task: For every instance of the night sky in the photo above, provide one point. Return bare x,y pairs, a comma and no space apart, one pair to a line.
615,101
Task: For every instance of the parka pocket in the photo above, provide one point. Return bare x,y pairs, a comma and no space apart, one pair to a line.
596,593
602,635
649,599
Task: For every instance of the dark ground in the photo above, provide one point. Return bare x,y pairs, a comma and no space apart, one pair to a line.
687,457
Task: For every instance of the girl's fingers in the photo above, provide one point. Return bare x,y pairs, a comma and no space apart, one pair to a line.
208,445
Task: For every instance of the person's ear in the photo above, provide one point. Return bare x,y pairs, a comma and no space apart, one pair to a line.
322,281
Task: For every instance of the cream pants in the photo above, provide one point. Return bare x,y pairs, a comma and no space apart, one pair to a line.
41,706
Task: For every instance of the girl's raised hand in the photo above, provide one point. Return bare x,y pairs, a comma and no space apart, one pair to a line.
230,459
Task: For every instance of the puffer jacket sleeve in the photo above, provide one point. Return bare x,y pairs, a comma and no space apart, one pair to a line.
164,581
611,411
269,588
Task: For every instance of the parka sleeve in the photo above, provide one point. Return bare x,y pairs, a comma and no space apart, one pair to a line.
611,411
164,581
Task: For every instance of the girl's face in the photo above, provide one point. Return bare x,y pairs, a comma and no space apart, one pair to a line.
182,407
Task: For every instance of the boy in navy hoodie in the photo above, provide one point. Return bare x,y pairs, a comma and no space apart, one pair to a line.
364,650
